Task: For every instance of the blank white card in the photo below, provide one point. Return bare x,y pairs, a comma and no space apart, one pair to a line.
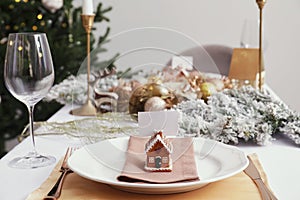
167,121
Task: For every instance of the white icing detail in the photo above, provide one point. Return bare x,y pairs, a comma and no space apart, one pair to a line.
159,169
151,159
164,159
157,138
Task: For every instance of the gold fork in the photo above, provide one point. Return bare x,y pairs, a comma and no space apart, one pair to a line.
64,169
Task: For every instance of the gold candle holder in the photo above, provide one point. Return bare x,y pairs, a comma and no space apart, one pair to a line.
87,109
260,4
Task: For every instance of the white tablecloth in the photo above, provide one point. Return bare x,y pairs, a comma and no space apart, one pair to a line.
281,162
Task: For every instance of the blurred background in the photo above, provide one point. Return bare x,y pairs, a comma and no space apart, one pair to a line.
221,22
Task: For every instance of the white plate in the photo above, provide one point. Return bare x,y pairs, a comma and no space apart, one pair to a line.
103,162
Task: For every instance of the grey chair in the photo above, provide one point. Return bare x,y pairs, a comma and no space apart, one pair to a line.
211,58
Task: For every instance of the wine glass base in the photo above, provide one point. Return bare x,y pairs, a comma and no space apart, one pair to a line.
31,161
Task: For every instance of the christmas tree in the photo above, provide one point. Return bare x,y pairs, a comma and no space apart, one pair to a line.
61,21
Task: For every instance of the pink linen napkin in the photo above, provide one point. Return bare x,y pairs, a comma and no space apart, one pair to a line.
184,165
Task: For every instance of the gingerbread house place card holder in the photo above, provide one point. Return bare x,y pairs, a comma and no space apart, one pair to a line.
158,153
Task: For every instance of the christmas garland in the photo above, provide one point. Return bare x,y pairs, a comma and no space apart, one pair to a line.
231,116
238,114
74,88
228,116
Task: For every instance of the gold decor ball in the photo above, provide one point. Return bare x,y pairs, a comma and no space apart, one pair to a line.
140,96
207,89
155,104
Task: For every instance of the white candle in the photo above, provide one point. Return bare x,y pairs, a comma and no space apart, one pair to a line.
87,7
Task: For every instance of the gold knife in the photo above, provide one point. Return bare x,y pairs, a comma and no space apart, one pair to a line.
253,173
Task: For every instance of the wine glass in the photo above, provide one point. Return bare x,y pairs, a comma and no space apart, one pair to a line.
250,34
28,75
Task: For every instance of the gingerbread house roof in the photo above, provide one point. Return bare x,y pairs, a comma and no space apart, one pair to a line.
158,138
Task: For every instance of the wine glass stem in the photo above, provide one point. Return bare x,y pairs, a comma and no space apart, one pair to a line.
30,111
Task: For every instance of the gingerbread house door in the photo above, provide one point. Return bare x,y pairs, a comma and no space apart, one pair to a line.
157,161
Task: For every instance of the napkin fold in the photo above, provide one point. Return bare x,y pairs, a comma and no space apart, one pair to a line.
184,165
237,187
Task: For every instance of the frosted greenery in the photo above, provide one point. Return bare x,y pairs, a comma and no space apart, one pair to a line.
239,114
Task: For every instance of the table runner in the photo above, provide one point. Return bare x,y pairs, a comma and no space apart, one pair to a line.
75,187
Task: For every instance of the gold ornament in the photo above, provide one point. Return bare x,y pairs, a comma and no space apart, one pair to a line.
143,93
155,104
206,86
207,89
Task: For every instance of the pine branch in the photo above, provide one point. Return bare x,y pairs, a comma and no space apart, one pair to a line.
100,13
103,39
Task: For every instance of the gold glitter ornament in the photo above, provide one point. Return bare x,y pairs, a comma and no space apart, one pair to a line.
143,93
207,89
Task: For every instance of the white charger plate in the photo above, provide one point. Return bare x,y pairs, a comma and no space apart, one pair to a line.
104,161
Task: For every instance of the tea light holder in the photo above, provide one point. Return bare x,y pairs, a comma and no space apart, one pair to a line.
247,64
